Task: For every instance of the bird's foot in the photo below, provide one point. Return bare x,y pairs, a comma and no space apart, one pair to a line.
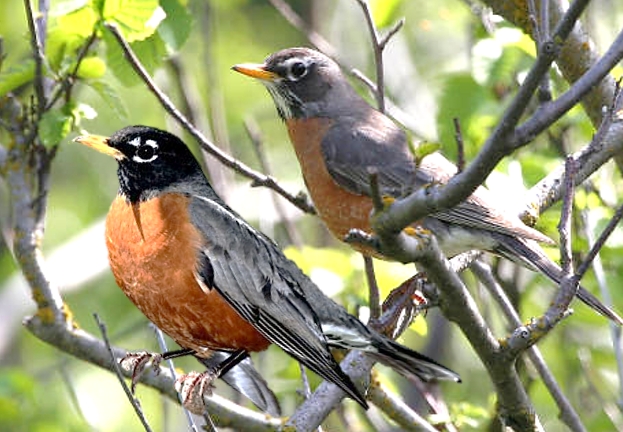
136,363
401,306
192,387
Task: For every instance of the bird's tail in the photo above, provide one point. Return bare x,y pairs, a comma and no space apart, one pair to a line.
408,362
529,254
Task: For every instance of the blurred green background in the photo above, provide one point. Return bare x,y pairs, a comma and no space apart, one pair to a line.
443,64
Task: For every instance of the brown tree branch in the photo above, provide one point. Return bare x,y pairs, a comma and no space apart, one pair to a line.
567,413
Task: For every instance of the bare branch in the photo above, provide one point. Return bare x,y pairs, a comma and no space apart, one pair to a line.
547,114
162,345
397,410
460,145
374,298
37,29
136,405
599,244
85,346
378,55
257,140
297,22
567,413
378,45
391,33
600,275
564,226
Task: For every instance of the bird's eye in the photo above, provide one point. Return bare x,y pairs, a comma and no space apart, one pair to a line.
298,70
146,152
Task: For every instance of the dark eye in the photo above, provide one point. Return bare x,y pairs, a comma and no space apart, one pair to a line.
298,70
145,152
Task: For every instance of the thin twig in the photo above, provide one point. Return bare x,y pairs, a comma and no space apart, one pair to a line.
71,388
564,226
378,45
133,400
567,413
397,410
601,240
392,31
374,298
36,41
68,82
600,275
547,114
610,409
258,179
162,344
254,133
379,95
297,22
460,145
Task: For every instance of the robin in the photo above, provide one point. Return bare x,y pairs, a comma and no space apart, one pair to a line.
210,281
338,138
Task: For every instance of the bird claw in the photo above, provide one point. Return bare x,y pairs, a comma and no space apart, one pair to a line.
136,363
401,306
192,387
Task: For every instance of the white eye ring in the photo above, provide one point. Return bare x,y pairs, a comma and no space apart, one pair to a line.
296,68
148,143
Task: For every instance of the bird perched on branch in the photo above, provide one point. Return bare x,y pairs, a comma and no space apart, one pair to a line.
210,281
339,139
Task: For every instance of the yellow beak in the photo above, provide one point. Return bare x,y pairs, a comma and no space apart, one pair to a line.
99,143
255,70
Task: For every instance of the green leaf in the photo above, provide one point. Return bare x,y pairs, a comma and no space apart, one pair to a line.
111,98
64,7
176,27
79,22
423,149
150,52
136,19
91,67
16,76
55,125
384,11
67,34
473,105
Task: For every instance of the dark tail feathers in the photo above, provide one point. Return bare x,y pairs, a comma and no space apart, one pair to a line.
408,362
529,254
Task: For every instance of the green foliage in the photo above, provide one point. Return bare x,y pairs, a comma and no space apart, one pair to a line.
16,76
55,125
137,19
91,68
463,98
384,12
110,96
176,27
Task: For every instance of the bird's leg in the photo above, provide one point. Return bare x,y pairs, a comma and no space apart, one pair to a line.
194,385
136,362
403,303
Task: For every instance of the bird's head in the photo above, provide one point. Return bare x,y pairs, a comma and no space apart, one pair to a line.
302,82
151,161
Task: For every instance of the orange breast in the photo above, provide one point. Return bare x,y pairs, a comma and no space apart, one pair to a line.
156,270
340,209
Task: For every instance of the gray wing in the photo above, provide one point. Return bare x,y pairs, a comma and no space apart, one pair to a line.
252,274
387,152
